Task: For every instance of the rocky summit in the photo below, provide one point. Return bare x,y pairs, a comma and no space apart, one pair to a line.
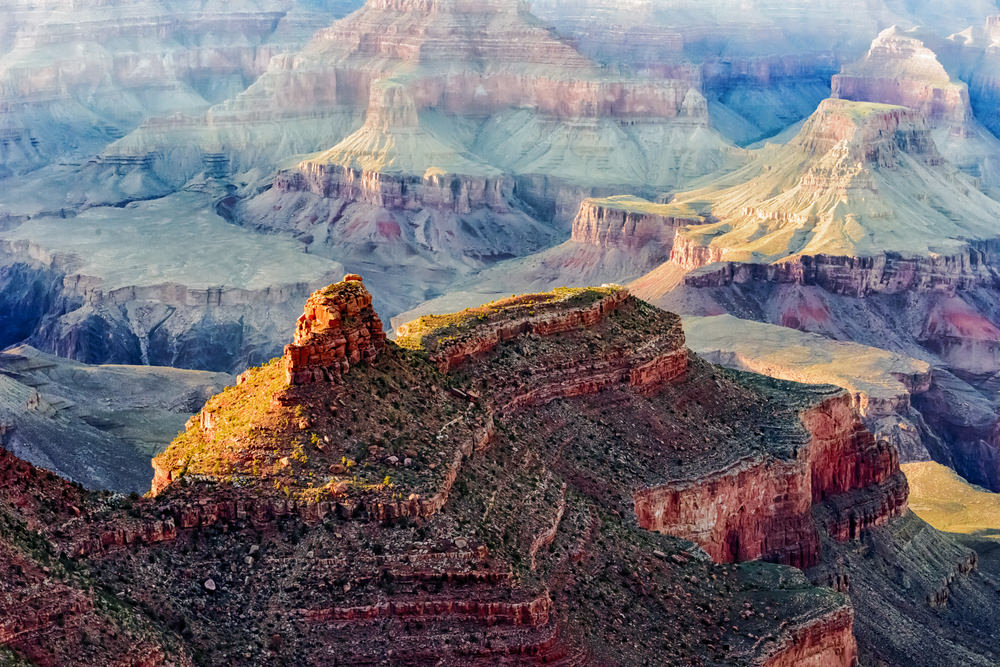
552,478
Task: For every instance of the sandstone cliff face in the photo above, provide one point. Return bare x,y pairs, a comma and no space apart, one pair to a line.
612,223
759,528
459,194
828,640
855,276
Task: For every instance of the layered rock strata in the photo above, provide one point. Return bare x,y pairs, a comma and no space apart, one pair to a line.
851,165
144,296
338,329
418,503
415,72
827,235
840,457
507,362
900,69
75,78
630,224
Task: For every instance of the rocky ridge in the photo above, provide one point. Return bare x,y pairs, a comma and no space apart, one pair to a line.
274,460
506,522
884,386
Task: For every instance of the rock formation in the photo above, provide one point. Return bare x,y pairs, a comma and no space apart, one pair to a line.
338,329
900,69
542,112
482,490
74,78
884,386
762,65
170,284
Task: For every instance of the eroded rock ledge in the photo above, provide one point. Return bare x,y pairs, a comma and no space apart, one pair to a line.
631,224
889,273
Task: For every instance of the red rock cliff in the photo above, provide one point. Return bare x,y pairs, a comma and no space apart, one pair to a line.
763,508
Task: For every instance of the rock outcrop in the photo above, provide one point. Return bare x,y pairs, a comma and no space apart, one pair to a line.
754,92
630,225
775,500
899,69
338,329
482,384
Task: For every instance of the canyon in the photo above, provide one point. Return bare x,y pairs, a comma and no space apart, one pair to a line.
95,425
822,236
112,285
563,472
72,79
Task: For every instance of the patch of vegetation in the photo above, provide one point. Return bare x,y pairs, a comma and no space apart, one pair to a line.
236,413
430,331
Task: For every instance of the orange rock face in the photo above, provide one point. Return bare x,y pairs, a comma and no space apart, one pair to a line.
338,329
451,355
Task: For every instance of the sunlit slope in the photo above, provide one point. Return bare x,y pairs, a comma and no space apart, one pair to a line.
949,503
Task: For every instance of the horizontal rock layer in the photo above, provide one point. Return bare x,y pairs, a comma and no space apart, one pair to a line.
764,508
890,273
458,193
